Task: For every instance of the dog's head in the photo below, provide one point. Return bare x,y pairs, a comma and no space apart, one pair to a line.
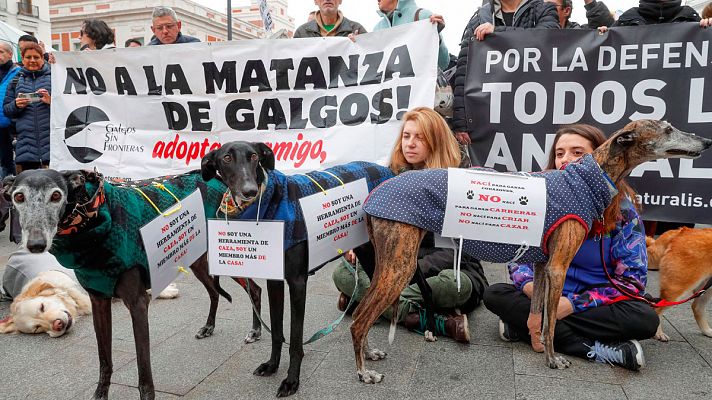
647,140
41,308
41,197
241,166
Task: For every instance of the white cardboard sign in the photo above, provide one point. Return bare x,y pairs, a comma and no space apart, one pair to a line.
246,249
174,241
494,207
335,221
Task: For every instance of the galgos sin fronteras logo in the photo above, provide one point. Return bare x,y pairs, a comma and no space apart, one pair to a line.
79,121
114,139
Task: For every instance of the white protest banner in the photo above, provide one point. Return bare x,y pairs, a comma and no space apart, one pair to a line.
246,249
317,102
335,221
173,240
495,207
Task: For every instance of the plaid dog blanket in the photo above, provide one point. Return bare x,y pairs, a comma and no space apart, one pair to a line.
113,240
581,191
280,199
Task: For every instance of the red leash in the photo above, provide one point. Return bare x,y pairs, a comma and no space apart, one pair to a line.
650,300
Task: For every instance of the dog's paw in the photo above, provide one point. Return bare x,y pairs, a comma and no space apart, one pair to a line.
205,331
470,194
288,387
101,393
559,362
369,376
523,200
375,354
253,335
662,337
266,369
430,337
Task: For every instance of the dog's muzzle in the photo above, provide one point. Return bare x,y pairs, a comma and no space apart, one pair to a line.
36,242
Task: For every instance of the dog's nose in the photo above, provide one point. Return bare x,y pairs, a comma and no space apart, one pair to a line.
57,325
36,242
707,143
250,193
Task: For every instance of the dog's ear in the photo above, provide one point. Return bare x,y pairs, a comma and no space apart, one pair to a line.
626,138
74,178
208,165
266,155
7,325
7,183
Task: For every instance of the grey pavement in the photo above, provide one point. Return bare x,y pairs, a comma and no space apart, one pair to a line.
220,367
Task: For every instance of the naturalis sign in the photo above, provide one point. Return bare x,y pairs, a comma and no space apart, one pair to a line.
137,113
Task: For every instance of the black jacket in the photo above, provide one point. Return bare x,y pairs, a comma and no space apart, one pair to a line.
597,14
345,28
530,14
638,16
181,38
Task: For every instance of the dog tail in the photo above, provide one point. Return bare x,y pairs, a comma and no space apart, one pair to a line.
221,291
394,321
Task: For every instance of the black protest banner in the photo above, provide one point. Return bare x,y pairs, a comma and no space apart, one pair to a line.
523,85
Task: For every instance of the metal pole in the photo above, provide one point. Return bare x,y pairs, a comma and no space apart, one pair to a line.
229,19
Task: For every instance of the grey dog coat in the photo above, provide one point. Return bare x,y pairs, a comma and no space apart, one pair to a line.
23,266
581,192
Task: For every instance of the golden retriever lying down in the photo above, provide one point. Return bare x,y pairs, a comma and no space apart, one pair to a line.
683,257
51,300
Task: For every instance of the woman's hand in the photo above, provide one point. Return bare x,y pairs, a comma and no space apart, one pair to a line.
46,98
483,30
350,256
51,59
22,102
463,137
706,22
352,35
439,20
565,307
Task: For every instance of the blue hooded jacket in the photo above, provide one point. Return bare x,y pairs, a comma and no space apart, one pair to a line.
31,122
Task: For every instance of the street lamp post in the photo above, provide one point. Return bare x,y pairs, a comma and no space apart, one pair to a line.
229,19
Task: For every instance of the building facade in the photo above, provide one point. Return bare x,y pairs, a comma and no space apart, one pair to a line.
31,16
278,11
131,19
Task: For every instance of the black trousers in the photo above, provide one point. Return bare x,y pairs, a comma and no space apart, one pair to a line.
624,320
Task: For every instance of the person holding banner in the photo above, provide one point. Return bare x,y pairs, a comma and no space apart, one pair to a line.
166,28
597,14
27,100
651,12
500,15
596,321
329,21
425,141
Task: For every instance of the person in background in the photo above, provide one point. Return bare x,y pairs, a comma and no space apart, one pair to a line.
166,28
329,21
651,12
312,16
28,102
132,43
595,320
95,34
399,12
596,12
500,15
425,141
8,70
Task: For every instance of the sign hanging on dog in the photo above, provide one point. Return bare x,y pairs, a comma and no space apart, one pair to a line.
174,240
246,249
522,86
316,102
335,221
495,207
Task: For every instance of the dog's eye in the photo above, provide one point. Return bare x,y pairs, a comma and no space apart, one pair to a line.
42,307
56,196
227,158
254,157
19,197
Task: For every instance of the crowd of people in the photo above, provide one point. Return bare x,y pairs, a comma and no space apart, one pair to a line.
596,321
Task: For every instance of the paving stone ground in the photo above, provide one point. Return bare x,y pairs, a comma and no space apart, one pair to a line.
220,367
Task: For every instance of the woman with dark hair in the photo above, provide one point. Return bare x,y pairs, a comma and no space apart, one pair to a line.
95,35
595,320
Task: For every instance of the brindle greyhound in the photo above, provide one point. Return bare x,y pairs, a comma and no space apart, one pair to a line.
46,197
396,243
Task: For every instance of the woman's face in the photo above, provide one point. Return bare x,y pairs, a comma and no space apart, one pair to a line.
85,40
570,147
413,145
32,60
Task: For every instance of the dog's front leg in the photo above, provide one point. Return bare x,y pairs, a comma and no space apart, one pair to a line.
101,314
297,300
563,245
132,291
275,293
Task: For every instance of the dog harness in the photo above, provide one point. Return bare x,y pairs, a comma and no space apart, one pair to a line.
581,192
105,246
280,197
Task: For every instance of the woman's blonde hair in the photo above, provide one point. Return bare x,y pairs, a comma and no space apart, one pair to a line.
443,148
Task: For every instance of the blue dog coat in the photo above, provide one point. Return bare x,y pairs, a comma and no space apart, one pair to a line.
581,191
280,199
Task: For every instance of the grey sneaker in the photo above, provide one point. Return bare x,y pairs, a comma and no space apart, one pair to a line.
628,354
506,333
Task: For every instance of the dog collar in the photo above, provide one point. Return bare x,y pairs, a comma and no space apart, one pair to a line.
82,213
